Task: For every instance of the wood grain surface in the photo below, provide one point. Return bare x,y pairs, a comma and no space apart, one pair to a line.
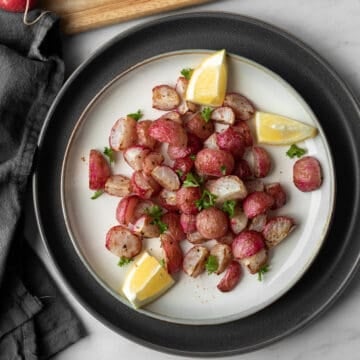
82,15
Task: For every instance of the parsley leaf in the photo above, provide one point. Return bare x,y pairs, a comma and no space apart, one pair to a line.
186,73
211,264
192,157
97,194
136,116
262,271
110,154
294,150
229,207
179,172
124,261
156,213
193,180
207,200
162,262
223,169
206,113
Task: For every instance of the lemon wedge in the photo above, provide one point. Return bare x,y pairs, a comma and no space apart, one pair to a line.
280,130
207,85
146,281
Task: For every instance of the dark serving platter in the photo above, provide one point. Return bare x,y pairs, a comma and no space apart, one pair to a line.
330,100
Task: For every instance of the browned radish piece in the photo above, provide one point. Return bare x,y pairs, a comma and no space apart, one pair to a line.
174,116
196,238
214,162
210,142
188,223
99,170
166,177
165,97
242,127
186,198
243,170
258,223
198,126
194,145
223,254
145,227
122,242
307,174
257,203
142,208
231,141
228,187
142,185
185,106
135,155
194,260
168,131
123,134
172,220
143,137
167,199
254,185
278,193
238,221
212,223
173,255
118,185
231,277
243,108
224,115
249,248
183,166
277,229
262,162
126,208
151,161
228,238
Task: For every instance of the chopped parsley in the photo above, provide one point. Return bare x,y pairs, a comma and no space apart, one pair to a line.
97,193
206,113
223,169
110,154
193,180
179,172
156,212
136,116
229,207
124,261
262,271
192,157
294,150
207,200
162,262
211,264
186,73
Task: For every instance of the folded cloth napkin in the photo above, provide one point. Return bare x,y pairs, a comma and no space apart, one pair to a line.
35,320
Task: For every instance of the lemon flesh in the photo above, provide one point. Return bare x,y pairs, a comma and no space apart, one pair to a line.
208,82
146,281
280,130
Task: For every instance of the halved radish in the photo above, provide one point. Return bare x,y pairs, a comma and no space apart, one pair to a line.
166,177
230,278
145,227
118,185
173,254
99,170
123,134
164,97
135,155
168,131
126,208
224,115
141,185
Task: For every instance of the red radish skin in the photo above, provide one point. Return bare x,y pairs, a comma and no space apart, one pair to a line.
99,170
197,126
142,186
262,162
168,131
247,244
214,162
231,141
183,166
143,137
212,223
135,156
242,127
231,277
17,5
194,145
185,199
173,254
307,174
243,107
243,170
172,220
278,193
188,223
126,209
257,203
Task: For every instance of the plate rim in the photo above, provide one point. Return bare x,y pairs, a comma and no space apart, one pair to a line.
223,15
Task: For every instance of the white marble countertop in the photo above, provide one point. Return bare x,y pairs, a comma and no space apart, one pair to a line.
330,27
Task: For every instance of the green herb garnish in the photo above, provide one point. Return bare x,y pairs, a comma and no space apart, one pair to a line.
186,73
192,157
211,264
110,154
193,180
223,169
97,193
207,200
156,212
206,113
229,207
124,261
136,116
262,271
179,172
162,262
294,150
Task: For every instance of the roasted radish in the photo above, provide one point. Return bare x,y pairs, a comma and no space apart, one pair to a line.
262,162
144,226
99,170
186,198
257,203
188,223
196,238
198,126
135,156
172,220
166,177
143,136
168,131
238,221
243,108
167,199
230,140
211,142
126,209
194,260
173,255
243,170
212,223
193,146
214,162
223,255
278,193
258,223
151,161
164,97
224,115
118,185
231,277
183,166
123,134
242,127
142,185
277,229
307,174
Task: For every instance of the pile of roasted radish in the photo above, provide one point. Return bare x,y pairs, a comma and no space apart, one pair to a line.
197,176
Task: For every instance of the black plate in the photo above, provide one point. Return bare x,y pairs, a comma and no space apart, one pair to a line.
338,114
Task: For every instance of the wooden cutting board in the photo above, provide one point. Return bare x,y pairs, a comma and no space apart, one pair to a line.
82,15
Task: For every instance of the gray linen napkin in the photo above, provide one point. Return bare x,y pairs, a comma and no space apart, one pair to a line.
35,320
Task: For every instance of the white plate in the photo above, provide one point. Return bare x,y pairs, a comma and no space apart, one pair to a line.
196,301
